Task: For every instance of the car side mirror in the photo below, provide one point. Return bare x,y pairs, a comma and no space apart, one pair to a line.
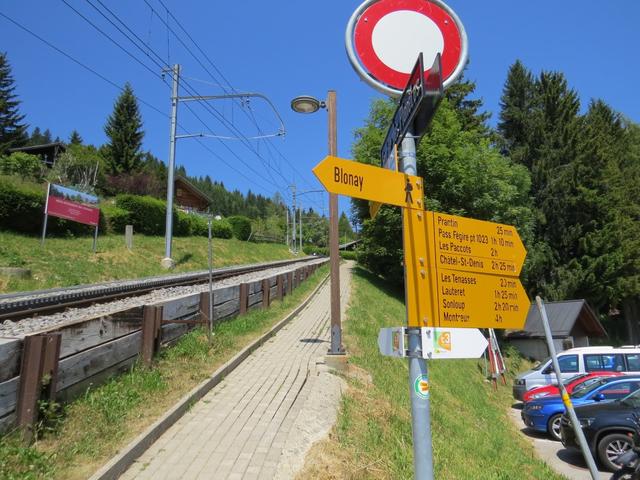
547,370
598,397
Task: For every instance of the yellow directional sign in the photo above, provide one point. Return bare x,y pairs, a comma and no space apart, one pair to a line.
471,245
374,208
359,180
475,300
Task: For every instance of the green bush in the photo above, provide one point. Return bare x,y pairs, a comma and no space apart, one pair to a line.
241,227
146,214
21,205
221,229
116,218
182,224
348,255
312,249
23,165
22,210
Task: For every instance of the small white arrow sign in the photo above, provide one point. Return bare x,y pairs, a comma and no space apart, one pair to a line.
448,343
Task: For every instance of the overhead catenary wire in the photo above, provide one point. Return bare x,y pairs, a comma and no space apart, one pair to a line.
160,63
121,88
203,53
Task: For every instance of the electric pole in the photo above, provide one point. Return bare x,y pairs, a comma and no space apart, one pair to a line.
167,261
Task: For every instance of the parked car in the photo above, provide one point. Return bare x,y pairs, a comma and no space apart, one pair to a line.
607,428
579,360
581,380
544,414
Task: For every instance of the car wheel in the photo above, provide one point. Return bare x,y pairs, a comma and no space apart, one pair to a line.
553,427
610,447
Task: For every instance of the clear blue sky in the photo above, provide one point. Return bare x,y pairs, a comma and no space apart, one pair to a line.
283,49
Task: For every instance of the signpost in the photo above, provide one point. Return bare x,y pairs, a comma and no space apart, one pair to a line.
437,343
416,108
359,180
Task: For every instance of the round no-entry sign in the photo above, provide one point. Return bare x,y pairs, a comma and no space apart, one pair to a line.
384,38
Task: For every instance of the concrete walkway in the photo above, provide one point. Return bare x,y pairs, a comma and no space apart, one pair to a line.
259,422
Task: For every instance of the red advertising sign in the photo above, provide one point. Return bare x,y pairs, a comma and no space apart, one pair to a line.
73,205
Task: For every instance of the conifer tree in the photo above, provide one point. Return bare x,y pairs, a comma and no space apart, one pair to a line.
75,138
13,133
124,129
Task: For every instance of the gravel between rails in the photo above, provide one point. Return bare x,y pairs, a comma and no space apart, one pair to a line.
38,323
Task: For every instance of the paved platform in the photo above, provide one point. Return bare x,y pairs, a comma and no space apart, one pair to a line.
259,421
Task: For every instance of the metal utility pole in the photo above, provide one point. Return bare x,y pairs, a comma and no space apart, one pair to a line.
300,227
167,261
293,231
420,404
286,238
334,253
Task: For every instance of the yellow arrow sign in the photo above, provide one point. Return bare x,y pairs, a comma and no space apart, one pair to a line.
471,245
359,180
374,208
477,300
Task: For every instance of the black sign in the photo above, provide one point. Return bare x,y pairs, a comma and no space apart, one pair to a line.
418,104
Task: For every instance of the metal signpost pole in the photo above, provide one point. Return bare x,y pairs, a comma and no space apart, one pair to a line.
565,396
167,262
46,215
300,227
210,320
293,230
95,240
418,372
336,326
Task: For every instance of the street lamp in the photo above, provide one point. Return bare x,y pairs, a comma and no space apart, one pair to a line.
309,104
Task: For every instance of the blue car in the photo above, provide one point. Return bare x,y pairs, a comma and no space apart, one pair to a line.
543,414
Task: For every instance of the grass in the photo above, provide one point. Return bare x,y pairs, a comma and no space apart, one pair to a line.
473,438
96,426
70,261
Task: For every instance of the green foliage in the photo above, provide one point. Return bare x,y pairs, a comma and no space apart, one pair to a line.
124,129
116,218
75,138
313,250
348,255
221,229
464,174
18,461
241,226
21,205
146,214
13,133
80,167
24,165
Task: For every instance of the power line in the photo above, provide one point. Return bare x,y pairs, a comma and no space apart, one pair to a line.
160,65
119,87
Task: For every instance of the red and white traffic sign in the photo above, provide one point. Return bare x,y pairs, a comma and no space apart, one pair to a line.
384,38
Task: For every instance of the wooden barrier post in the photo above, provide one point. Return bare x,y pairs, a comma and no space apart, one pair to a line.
289,282
244,298
205,314
38,375
266,293
151,324
280,287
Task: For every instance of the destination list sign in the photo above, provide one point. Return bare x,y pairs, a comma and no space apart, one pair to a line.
466,299
473,245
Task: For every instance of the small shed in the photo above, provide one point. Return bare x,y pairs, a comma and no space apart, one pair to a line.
188,197
572,324
48,152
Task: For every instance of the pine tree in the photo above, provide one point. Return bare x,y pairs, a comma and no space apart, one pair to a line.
516,107
75,138
124,129
13,133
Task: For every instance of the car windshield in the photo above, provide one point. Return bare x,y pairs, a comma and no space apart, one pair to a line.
539,365
583,392
574,378
632,400
586,383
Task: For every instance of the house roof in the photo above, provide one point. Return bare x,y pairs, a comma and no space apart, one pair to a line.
45,147
187,185
563,318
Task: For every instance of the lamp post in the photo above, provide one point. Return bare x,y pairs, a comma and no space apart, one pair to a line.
308,104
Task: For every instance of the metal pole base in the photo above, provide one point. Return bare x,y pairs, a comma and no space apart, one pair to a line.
168,263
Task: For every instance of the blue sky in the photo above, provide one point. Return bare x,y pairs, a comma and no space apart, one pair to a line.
283,49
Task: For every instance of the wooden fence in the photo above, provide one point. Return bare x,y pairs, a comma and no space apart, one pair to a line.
60,363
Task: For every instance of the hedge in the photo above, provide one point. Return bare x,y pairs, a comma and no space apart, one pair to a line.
146,214
22,210
241,227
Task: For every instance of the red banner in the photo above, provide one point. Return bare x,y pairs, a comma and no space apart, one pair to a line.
72,205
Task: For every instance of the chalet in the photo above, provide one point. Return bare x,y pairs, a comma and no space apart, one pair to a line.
573,323
188,197
48,152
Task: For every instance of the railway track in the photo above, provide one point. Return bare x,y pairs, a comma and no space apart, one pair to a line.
16,306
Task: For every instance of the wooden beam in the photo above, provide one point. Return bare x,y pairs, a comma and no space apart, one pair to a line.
280,287
266,293
244,297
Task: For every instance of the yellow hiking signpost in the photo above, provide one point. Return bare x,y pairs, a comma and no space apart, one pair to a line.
460,272
359,180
